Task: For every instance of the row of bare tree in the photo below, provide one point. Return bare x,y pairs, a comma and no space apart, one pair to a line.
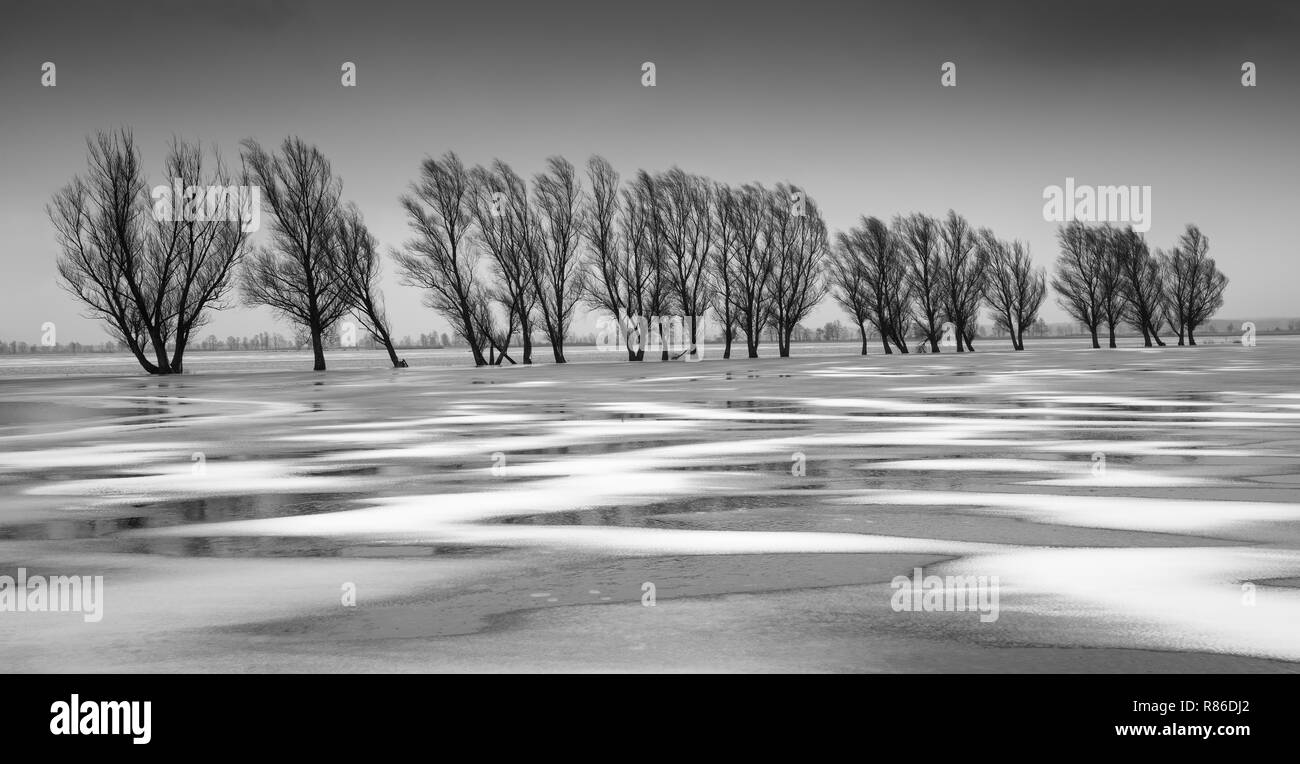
661,244
920,273
155,279
1107,276
501,258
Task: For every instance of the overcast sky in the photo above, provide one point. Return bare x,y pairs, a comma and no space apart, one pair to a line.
843,99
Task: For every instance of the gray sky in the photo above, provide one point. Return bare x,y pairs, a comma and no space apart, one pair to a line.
841,98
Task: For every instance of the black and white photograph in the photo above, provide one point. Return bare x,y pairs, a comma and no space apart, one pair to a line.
582,337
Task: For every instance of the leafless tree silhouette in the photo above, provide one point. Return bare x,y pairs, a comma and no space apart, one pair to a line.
919,236
1141,279
849,285
962,273
606,289
358,272
439,259
1195,284
886,292
800,242
723,264
555,267
688,224
1110,279
1014,289
154,280
507,227
295,275
1078,275
754,263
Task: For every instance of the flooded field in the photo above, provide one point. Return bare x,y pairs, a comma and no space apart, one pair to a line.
1133,510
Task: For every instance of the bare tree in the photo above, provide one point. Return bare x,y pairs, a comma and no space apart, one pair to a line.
555,270
1015,290
295,274
493,334
962,274
886,292
688,219
723,266
439,259
200,253
641,269
1078,275
895,287
605,289
797,233
919,238
1141,281
629,263
1196,285
358,272
1114,300
507,228
849,284
154,282
755,257
658,294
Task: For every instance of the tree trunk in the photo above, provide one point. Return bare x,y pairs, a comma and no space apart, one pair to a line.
1191,335
392,355
1155,334
633,352
317,349
1096,342
145,363
182,341
726,349
160,352
1111,327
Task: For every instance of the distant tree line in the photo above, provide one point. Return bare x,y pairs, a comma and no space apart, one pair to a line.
502,258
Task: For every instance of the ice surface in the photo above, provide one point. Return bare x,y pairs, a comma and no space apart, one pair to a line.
770,502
